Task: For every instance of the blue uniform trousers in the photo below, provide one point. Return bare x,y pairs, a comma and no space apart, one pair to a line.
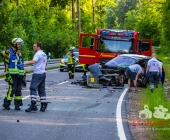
153,79
38,83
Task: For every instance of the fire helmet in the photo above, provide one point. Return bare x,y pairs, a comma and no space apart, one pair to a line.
72,48
17,40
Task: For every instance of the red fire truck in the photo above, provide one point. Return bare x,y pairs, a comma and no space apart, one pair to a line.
109,43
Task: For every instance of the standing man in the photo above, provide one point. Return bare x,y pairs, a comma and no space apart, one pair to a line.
132,73
14,74
71,63
155,71
38,78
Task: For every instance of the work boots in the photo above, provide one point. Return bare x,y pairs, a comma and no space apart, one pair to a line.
43,107
17,107
6,104
72,77
6,107
69,76
33,107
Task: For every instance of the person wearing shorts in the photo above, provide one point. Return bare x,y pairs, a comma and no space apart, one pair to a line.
132,73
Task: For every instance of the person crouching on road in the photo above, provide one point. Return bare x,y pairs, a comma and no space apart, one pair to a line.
71,63
155,71
14,74
132,73
38,78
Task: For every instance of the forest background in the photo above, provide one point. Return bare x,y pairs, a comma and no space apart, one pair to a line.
55,22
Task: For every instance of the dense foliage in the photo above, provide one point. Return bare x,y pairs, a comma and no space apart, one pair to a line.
55,22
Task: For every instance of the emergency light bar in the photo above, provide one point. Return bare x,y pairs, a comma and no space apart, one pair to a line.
121,33
109,37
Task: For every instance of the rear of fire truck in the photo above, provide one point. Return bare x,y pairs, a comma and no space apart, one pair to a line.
109,43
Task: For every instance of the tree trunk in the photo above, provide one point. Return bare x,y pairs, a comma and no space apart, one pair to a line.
73,16
79,18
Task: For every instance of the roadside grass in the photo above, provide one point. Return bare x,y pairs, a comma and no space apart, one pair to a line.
160,125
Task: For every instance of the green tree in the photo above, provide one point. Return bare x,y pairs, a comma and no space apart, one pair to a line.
123,7
165,34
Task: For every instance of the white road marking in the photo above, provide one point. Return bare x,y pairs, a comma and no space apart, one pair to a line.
120,128
25,97
62,83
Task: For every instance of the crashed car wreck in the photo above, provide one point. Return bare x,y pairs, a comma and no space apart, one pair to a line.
113,72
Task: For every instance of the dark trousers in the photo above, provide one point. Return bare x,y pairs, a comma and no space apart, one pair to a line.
71,69
14,90
85,68
153,79
38,83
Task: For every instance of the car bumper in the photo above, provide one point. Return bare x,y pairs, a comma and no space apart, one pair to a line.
65,68
78,68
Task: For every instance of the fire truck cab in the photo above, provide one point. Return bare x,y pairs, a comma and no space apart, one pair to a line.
109,43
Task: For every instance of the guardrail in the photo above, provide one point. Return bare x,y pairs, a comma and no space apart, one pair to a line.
51,63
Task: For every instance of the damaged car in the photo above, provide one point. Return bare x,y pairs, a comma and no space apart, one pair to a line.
113,72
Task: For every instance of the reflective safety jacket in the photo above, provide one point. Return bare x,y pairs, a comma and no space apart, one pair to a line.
71,58
11,60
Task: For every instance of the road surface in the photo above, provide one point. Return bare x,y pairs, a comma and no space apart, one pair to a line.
74,112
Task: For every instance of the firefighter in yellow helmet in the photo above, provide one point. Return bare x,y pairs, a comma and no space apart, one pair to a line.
71,63
14,73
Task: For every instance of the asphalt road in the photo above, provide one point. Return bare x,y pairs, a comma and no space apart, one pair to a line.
74,113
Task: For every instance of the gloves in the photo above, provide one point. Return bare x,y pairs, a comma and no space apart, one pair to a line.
147,74
20,65
160,76
8,78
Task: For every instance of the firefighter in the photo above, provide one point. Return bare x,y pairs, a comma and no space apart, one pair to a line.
71,63
154,71
85,69
14,73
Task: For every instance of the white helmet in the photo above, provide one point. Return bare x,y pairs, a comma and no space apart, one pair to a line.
72,48
17,40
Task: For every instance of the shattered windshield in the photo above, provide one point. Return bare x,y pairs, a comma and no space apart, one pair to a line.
121,61
115,46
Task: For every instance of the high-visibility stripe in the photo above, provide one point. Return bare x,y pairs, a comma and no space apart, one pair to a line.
18,98
9,93
87,55
33,96
151,86
42,98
